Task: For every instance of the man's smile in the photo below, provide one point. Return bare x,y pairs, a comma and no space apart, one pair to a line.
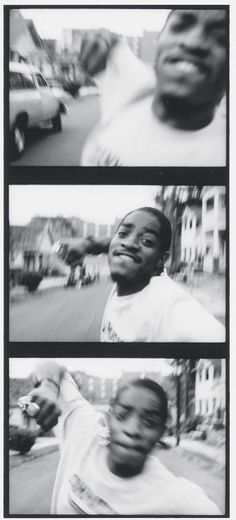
186,64
126,254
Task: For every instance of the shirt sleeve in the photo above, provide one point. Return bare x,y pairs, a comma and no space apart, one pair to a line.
194,500
77,412
125,76
187,321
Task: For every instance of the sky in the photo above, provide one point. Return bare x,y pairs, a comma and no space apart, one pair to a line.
50,22
103,367
94,203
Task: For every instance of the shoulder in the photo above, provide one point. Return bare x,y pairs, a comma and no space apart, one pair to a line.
181,317
181,496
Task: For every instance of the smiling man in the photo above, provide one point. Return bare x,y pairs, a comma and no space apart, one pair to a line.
169,115
145,305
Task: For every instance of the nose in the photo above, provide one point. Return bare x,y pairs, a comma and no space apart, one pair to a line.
132,427
195,41
130,242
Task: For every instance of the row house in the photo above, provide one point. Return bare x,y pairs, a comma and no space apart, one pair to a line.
210,389
203,232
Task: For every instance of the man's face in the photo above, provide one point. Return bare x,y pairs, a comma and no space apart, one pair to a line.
191,56
136,424
135,249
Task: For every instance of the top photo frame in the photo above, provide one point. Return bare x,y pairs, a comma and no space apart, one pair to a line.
116,86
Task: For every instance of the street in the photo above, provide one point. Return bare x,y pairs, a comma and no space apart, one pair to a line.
45,148
31,482
60,315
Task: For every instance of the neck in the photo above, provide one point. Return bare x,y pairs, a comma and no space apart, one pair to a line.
182,114
122,470
125,288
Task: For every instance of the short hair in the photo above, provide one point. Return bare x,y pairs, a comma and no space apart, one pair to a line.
149,384
165,227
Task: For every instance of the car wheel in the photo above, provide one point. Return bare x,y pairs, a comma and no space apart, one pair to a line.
56,123
18,140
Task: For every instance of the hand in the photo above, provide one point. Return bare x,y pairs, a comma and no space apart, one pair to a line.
49,411
72,251
95,50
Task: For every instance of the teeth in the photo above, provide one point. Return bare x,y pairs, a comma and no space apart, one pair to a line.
186,66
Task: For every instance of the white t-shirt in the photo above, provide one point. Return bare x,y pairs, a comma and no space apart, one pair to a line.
85,486
129,134
162,311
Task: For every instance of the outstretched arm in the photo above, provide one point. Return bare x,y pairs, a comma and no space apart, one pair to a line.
55,392
73,251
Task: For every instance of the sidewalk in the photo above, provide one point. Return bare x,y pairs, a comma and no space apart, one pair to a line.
42,446
202,449
50,282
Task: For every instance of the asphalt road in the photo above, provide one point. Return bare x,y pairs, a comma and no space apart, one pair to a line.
45,148
31,483
61,314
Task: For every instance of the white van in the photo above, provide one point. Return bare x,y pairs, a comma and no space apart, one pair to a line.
31,104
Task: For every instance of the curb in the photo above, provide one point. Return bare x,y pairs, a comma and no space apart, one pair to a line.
38,293
15,459
214,458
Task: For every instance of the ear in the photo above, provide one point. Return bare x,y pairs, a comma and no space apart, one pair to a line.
163,257
160,433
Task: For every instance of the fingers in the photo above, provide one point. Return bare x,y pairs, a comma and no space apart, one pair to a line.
48,414
94,53
73,257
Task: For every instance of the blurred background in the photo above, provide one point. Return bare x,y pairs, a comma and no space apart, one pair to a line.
44,47
41,215
193,445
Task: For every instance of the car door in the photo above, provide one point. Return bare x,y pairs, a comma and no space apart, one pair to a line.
49,103
24,98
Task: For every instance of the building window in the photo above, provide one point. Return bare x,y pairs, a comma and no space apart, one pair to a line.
207,373
200,375
213,404
190,224
222,200
206,405
210,204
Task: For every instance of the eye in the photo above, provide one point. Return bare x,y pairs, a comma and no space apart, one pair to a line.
152,422
147,242
121,416
122,233
220,37
183,22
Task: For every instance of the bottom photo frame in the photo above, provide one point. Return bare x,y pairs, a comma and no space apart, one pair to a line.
117,436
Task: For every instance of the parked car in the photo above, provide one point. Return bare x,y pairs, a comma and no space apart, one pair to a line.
31,104
60,94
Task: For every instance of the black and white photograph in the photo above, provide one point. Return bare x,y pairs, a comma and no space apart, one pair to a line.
127,263
118,86
117,436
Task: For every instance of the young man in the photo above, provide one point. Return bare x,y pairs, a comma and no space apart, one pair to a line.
111,468
169,115
145,305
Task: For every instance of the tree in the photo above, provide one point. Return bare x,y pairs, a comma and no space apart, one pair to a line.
183,383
